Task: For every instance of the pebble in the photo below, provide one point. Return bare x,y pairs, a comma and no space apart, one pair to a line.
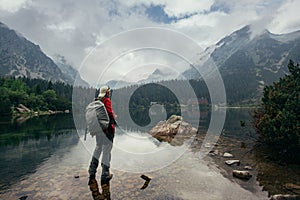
207,145
227,155
248,167
291,186
241,174
232,162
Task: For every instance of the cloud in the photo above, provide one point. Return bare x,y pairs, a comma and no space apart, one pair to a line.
12,6
72,28
123,54
225,17
286,18
175,8
62,27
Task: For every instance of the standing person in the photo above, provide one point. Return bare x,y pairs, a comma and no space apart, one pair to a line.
104,141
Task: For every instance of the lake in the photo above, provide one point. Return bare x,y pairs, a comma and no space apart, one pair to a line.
46,157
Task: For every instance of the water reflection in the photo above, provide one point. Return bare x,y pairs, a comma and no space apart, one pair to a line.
187,178
144,119
105,194
23,147
95,190
139,151
12,132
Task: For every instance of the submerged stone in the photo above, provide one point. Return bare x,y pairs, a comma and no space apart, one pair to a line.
241,174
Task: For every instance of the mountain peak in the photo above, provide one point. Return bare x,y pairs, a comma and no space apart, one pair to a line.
243,33
3,25
157,72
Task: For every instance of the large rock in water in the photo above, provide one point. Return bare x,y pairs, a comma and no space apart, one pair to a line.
174,131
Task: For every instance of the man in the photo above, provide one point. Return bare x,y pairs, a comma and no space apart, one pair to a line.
104,141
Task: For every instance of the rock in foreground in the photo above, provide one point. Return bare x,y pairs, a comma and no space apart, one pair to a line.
174,131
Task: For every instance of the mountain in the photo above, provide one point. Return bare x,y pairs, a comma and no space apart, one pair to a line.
156,76
21,58
230,44
69,72
248,62
266,54
159,75
115,84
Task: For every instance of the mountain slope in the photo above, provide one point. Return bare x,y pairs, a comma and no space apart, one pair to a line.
69,72
21,58
230,44
248,63
258,62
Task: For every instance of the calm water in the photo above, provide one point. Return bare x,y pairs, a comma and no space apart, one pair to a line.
40,158
26,144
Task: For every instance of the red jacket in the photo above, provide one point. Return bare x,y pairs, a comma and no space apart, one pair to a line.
108,105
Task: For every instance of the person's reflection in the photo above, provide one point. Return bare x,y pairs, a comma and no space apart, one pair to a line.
105,190
96,193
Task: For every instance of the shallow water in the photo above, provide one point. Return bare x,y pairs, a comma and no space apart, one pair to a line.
187,178
45,167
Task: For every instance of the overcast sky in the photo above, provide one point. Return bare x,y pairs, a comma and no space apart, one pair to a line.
72,28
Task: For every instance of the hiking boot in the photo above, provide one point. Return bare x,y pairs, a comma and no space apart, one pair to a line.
92,180
106,176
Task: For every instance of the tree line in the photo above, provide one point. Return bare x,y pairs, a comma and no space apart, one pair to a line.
36,94
163,92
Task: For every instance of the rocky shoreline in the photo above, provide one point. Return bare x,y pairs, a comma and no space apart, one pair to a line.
22,110
238,162
237,159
